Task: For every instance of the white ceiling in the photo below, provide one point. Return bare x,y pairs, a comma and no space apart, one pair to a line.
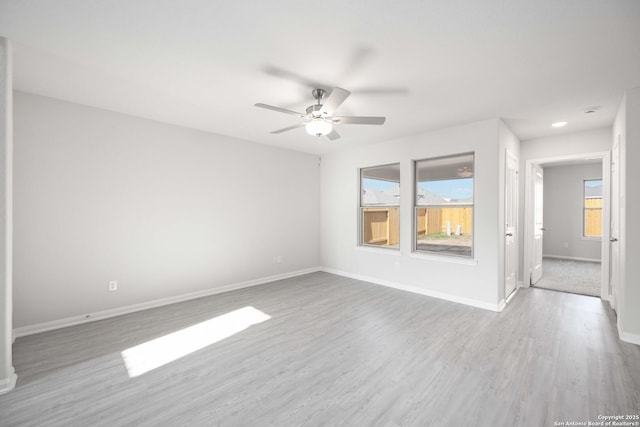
203,63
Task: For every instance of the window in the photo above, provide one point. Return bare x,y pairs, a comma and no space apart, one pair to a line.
380,206
592,208
444,205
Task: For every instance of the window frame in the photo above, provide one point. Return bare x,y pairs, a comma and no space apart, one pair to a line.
585,209
416,181
362,206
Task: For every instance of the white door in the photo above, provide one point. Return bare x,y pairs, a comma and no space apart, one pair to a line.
538,227
615,223
510,227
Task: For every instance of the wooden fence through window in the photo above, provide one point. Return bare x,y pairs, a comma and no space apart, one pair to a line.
434,220
593,217
381,226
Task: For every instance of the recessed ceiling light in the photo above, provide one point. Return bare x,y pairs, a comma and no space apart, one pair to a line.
559,124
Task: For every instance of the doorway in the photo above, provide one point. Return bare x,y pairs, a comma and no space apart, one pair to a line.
566,239
511,225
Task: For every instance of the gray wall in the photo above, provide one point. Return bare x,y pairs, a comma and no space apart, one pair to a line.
563,203
164,210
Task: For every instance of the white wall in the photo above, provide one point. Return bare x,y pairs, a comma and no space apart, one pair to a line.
630,213
619,134
7,372
162,209
476,282
563,210
592,141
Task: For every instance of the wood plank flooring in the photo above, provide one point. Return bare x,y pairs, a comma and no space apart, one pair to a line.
337,351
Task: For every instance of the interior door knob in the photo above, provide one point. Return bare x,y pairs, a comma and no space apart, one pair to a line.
613,239
509,234
543,228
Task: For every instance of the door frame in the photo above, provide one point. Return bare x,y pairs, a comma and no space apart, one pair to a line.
509,155
538,228
614,291
605,156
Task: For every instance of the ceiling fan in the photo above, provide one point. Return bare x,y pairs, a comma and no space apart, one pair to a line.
320,118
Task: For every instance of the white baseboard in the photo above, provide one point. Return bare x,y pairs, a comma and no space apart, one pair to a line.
512,295
8,384
626,336
503,303
416,290
105,314
572,258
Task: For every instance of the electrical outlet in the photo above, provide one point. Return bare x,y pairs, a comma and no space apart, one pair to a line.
566,244
113,285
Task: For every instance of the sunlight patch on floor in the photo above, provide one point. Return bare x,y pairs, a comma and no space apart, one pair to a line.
160,351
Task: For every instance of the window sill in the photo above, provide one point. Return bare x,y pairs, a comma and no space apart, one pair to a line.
387,251
444,258
595,239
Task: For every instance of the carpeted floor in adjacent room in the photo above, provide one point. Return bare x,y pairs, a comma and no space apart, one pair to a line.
578,277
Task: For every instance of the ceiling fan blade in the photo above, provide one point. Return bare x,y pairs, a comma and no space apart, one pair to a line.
358,120
290,75
358,58
372,90
299,125
333,135
335,99
280,110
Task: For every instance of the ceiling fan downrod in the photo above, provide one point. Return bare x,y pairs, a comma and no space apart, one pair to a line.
318,94
314,110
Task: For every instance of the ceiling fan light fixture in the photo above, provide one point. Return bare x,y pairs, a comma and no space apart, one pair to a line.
320,116
318,127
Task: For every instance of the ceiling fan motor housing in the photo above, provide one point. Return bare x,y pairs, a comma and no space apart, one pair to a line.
318,94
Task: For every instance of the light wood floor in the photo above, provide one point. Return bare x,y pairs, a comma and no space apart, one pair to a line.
337,351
